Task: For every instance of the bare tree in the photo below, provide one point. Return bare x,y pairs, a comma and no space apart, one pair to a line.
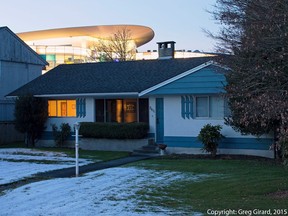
255,32
118,47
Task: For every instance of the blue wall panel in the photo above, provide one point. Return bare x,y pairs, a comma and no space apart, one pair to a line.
208,80
226,143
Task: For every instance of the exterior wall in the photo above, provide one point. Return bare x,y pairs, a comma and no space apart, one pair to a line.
14,74
7,110
180,135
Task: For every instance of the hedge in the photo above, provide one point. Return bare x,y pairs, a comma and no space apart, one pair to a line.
114,130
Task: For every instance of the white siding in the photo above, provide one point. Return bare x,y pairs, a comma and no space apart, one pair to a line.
175,125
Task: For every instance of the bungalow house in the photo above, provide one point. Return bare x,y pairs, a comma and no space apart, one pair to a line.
177,97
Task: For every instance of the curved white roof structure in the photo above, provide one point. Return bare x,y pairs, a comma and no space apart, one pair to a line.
73,45
139,34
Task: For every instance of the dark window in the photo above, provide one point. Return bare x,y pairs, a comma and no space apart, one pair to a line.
122,110
143,110
100,110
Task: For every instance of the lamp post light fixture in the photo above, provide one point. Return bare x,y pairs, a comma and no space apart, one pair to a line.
76,127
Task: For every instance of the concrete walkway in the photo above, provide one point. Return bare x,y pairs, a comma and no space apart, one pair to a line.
70,172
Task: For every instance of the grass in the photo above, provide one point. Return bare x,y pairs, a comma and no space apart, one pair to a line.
85,154
90,154
233,184
238,184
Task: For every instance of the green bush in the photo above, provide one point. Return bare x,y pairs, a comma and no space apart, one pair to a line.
210,136
61,135
114,130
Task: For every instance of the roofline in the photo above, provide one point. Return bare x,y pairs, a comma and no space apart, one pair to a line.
90,94
120,94
193,70
26,45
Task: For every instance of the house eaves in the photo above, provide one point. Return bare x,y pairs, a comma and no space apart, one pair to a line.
95,95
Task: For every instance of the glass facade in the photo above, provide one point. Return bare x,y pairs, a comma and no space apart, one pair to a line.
56,55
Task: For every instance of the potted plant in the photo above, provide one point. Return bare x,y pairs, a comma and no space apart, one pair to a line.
210,135
162,148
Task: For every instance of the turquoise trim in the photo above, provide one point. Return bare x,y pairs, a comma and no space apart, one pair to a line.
187,106
81,107
183,107
208,80
226,143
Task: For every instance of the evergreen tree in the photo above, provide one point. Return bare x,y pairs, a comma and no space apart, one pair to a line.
30,116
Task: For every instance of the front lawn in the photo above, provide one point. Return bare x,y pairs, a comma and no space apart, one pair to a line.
233,184
85,154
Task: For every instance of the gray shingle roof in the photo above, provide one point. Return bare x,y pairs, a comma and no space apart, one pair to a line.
108,77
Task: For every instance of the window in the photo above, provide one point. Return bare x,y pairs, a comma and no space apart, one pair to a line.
202,107
67,108
122,110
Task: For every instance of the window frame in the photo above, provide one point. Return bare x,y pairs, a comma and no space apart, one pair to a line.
57,101
188,113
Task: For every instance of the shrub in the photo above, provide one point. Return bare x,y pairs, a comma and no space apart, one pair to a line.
61,135
210,136
114,130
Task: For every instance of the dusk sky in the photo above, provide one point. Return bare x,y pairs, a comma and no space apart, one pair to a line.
182,21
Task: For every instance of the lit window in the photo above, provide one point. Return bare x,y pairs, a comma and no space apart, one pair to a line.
52,108
62,108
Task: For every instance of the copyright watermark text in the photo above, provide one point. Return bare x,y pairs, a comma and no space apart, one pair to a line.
251,212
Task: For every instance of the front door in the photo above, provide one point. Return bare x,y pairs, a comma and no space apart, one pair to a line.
159,120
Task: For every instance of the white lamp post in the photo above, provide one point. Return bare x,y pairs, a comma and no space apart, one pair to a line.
77,126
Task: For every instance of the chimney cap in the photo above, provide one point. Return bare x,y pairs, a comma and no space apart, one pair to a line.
166,42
